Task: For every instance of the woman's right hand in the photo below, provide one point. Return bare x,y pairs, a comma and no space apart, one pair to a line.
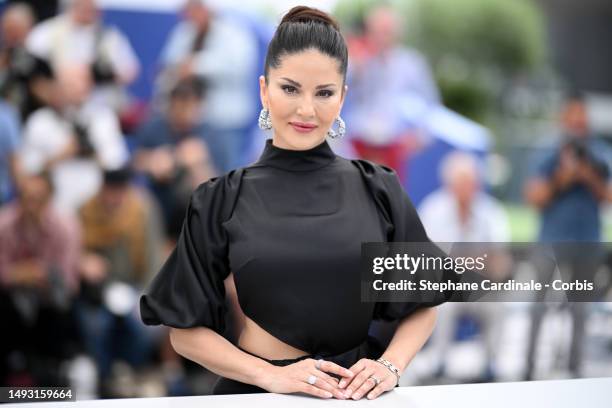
294,378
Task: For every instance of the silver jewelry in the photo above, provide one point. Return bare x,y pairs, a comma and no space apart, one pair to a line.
390,367
341,129
312,379
264,121
376,380
318,363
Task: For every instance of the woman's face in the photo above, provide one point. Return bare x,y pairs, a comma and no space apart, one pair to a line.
304,96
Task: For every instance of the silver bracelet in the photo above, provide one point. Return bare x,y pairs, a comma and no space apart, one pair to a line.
390,367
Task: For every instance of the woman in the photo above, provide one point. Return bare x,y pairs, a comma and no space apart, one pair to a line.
288,231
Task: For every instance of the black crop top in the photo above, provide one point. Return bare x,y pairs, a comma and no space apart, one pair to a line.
289,228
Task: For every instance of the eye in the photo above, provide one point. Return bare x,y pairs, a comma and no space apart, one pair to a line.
289,89
326,93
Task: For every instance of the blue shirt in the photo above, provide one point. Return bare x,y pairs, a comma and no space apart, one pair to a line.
9,142
574,214
158,132
385,92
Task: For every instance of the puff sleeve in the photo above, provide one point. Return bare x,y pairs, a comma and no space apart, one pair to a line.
188,291
403,225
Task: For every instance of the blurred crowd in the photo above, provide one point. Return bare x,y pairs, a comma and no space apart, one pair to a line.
93,188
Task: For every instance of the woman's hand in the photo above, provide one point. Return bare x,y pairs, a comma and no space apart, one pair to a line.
295,378
371,379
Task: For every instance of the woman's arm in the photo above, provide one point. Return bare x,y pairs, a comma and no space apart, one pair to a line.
212,351
209,349
411,334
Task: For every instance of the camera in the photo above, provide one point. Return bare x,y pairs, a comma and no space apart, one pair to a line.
579,149
102,71
86,148
582,153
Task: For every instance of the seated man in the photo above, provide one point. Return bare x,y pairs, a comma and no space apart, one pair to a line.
122,240
39,249
462,211
73,139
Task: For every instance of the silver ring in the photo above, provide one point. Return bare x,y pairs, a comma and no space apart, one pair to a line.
318,363
312,379
376,380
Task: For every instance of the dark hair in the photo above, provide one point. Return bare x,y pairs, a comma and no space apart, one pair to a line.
190,87
302,28
120,177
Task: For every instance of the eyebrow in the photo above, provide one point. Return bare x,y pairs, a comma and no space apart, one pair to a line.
298,85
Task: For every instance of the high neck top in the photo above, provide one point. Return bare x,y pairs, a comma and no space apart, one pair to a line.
289,229
296,160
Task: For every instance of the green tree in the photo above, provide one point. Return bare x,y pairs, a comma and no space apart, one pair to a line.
475,46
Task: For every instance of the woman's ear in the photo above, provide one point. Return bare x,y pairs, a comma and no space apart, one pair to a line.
263,91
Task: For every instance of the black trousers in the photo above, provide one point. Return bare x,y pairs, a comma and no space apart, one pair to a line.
370,348
45,339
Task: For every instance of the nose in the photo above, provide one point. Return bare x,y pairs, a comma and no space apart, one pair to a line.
306,108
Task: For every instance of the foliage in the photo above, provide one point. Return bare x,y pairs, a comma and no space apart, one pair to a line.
475,46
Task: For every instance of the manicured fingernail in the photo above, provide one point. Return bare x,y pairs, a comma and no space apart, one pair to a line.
356,396
342,384
328,394
370,396
349,373
348,393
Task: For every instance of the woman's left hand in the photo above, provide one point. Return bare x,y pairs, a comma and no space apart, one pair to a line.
364,382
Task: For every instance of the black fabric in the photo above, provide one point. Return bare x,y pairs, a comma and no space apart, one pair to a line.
290,228
402,224
188,291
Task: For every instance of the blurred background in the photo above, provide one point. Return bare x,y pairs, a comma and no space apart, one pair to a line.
497,116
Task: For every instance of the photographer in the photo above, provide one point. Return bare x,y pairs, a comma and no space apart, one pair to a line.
79,36
569,190
74,139
571,184
176,152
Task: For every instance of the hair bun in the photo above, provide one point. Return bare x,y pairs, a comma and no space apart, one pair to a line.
306,14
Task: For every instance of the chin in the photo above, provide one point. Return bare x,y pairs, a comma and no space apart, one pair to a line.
304,141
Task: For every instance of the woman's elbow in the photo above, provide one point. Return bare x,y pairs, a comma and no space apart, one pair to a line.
172,334
186,341
176,337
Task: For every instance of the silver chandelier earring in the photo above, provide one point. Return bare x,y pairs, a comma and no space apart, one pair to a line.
264,121
341,129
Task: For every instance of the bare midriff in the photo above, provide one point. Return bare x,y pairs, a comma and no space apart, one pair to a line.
256,340
253,338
